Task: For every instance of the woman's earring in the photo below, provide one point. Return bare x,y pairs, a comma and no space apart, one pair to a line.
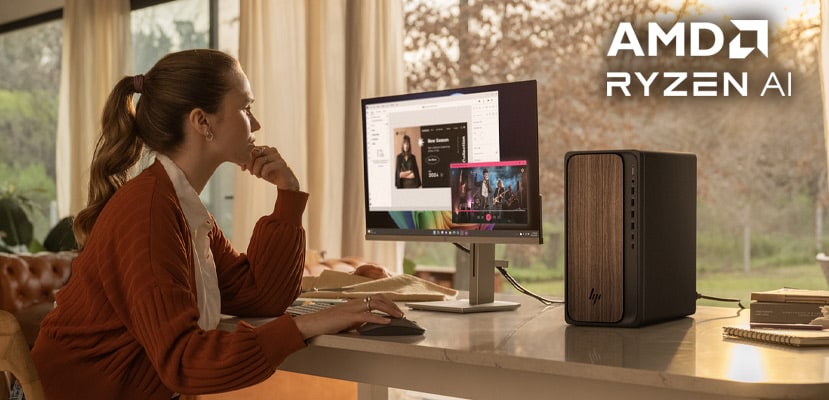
209,136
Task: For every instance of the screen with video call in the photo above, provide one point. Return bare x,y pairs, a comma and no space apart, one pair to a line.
456,165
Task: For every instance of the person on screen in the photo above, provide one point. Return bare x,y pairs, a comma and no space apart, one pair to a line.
484,191
406,171
138,318
498,197
510,200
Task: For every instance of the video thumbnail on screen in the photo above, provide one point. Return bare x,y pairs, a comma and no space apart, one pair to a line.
494,193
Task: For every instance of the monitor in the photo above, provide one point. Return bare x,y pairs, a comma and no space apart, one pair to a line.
456,165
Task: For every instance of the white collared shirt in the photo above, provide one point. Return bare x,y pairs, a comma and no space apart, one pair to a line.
200,223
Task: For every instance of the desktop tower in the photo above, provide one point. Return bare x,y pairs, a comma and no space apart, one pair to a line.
630,237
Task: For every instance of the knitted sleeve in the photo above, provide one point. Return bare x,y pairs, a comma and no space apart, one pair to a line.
266,279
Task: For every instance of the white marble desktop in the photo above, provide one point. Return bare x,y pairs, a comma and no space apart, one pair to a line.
533,353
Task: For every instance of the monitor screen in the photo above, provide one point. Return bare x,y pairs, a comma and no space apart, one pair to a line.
457,165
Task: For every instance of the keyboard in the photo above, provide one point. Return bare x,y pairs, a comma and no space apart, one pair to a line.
305,306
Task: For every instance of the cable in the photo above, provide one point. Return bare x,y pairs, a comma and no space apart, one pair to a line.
726,299
522,289
515,283
460,247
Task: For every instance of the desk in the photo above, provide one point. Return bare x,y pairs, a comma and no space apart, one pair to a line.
532,353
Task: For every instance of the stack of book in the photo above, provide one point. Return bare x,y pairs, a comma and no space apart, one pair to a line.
787,306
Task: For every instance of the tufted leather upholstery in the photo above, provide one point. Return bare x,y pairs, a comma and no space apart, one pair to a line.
32,279
28,283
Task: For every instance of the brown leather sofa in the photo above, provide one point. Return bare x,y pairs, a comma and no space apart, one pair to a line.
28,283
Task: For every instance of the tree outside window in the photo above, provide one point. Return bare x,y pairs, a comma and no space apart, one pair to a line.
761,159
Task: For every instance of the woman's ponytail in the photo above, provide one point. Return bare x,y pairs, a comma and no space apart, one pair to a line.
117,151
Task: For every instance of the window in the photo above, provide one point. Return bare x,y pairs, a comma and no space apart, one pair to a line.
761,180
28,118
168,27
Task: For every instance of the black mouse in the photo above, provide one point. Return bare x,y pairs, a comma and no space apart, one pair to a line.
397,327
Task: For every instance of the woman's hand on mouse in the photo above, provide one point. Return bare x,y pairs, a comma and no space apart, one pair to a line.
268,164
347,316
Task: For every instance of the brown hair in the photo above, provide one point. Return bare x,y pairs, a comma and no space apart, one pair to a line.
406,140
177,84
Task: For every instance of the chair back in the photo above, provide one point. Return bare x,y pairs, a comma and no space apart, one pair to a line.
16,358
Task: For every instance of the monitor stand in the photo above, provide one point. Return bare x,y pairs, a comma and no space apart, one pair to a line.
481,286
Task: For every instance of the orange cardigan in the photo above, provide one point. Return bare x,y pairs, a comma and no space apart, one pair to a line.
126,323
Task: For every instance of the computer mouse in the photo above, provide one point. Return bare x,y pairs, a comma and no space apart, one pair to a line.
397,327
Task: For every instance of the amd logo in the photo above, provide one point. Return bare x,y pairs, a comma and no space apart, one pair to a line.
594,297
692,83
626,39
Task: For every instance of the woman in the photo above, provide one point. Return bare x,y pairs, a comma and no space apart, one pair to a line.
408,175
137,318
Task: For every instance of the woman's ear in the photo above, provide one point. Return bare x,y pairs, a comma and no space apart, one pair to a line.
197,119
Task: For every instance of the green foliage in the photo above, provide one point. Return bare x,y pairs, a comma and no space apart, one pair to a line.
716,250
441,254
61,237
780,250
536,274
16,228
29,120
552,256
30,190
408,266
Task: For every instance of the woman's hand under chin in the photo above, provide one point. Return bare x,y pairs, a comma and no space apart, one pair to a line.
266,163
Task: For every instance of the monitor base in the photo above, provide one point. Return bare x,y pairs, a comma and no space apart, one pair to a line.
463,306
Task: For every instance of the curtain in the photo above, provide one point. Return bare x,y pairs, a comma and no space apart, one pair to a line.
97,52
375,67
309,63
272,54
824,71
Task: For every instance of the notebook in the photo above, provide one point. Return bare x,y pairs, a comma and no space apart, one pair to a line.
789,337
791,295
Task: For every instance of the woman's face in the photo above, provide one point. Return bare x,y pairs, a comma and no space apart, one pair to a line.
406,145
234,123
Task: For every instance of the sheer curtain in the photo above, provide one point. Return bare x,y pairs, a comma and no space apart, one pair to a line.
97,52
375,67
824,71
271,51
310,63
